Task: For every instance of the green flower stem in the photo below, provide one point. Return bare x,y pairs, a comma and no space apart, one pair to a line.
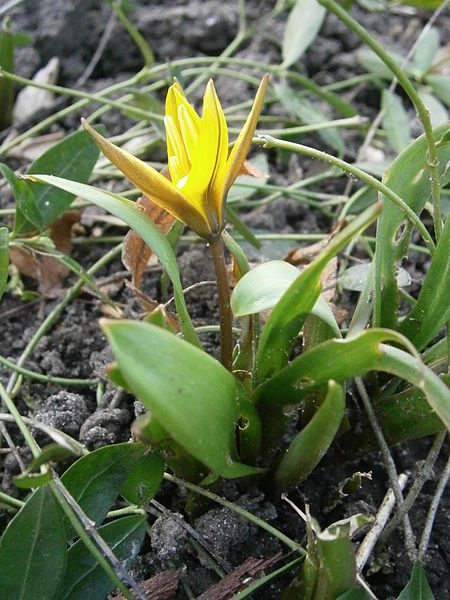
269,142
223,289
57,311
10,501
237,509
410,90
47,378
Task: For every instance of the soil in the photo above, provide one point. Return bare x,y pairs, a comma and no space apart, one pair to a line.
75,347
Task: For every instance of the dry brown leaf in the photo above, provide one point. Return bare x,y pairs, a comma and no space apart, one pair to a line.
48,270
240,578
249,168
162,586
136,253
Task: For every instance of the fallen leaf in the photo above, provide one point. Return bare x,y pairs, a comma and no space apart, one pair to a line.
30,100
48,270
136,253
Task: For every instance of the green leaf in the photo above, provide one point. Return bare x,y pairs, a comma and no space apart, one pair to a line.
310,445
395,121
356,593
32,480
308,113
302,27
84,577
432,309
4,259
344,359
27,209
145,479
6,85
440,85
188,392
408,176
33,549
126,210
264,286
426,51
283,325
73,157
373,64
95,480
417,587
355,278
438,112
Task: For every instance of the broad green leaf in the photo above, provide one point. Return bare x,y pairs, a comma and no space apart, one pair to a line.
418,587
27,209
33,549
408,176
432,309
95,480
310,445
264,286
73,157
308,113
426,51
356,593
438,112
32,480
344,359
283,325
188,392
338,564
4,258
145,479
302,27
126,210
84,578
440,85
395,121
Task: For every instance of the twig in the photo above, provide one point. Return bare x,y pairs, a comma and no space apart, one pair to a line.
99,51
390,467
426,535
222,563
95,537
417,485
368,543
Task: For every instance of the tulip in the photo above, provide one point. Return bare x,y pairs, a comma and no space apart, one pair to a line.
201,167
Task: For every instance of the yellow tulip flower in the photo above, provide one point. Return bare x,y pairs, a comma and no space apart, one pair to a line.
202,169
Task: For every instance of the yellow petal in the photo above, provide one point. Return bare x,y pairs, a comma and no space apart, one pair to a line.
210,159
175,148
244,140
152,184
189,132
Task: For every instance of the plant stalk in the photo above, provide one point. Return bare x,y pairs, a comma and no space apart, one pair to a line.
223,289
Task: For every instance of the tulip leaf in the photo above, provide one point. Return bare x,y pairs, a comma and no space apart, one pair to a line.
187,391
126,210
344,359
418,587
407,176
287,318
33,549
4,258
73,157
144,480
26,207
95,480
263,287
302,27
84,577
432,309
309,446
